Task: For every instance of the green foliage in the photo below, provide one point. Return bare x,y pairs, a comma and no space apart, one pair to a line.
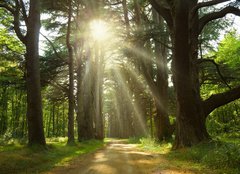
223,155
11,51
215,157
229,50
20,159
151,145
225,121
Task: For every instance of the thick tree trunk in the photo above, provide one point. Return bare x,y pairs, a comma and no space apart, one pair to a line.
190,121
34,101
185,26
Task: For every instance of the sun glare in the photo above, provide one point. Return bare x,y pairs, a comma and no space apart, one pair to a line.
99,30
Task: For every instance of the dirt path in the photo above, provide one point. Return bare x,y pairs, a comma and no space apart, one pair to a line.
116,158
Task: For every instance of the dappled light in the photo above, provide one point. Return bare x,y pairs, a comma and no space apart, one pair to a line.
119,86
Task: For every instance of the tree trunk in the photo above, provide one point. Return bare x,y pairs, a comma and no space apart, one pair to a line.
191,127
185,26
126,18
99,134
71,79
161,119
34,101
4,109
53,120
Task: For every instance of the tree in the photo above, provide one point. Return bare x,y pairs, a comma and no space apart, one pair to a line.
30,39
71,78
185,26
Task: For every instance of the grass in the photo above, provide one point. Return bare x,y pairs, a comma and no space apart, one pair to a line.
216,157
17,158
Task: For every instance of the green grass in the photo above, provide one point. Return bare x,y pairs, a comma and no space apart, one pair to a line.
216,157
17,158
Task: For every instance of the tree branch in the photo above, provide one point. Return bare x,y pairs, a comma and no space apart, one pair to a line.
59,86
218,70
16,24
24,11
207,4
220,99
163,11
7,7
52,45
216,15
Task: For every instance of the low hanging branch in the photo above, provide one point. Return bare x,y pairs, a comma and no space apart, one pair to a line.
220,99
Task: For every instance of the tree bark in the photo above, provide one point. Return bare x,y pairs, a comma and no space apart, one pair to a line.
34,100
220,99
161,119
191,127
71,79
185,26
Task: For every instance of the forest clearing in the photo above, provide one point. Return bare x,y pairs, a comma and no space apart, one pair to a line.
120,86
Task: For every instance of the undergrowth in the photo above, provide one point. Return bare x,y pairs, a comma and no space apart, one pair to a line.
219,156
18,158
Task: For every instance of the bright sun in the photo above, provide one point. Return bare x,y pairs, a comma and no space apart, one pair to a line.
99,30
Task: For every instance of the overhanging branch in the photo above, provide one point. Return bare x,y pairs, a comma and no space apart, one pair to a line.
220,99
207,4
216,15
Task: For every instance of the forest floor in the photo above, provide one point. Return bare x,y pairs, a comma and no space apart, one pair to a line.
119,157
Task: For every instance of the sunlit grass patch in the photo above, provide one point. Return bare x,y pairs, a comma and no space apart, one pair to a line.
153,146
215,157
22,159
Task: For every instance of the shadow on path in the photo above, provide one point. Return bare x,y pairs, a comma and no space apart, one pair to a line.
117,158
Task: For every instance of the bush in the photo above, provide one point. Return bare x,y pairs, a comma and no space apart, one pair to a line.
224,155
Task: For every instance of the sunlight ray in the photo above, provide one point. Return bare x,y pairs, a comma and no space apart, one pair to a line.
144,55
136,108
135,74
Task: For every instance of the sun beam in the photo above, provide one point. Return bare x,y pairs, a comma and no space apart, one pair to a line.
99,30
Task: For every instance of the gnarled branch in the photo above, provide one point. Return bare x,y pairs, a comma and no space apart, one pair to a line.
216,15
207,4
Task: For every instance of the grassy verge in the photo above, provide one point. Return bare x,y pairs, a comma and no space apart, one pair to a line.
16,158
215,157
